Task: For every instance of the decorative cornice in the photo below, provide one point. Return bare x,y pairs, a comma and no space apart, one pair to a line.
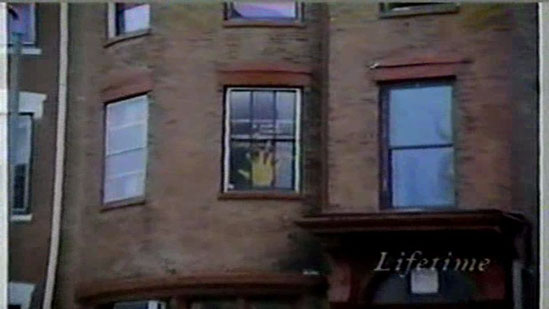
391,221
230,284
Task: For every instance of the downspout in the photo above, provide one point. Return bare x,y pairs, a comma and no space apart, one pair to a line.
4,158
543,13
59,156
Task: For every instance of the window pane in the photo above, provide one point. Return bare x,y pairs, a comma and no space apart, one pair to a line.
126,162
420,116
240,166
23,148
285,105
284,165
423,177
127,111
23,139
262,165
126,149
214,304
240,104
251,10
285,113
241,128
22,22
132,17
263,114
126,138
124,187
20,185
263,105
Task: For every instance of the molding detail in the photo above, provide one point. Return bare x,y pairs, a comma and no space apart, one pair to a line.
229,284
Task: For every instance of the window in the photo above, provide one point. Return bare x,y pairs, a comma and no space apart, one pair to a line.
414,8
22,164
262,139
128,18
21,23
125,149
419,168
20,295
146,304
262,11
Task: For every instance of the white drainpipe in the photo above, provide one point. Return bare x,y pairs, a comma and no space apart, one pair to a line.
4,209
59,156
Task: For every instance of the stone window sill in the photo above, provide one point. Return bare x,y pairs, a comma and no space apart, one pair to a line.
27,50
21,218
134,201
127,36
239,23
259,195
443,8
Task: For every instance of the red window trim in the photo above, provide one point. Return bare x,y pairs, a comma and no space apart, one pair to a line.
418,67
126,83
265,74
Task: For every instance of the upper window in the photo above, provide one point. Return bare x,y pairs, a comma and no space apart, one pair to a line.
125,18
262,139
125,150
263,11
419,161
143,304
22,164
21,23
415,8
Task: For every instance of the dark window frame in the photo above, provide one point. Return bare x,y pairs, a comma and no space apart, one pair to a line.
385,183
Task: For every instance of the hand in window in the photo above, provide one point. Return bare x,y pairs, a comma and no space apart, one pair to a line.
263,167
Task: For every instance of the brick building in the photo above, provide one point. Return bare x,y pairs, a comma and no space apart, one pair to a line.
231,155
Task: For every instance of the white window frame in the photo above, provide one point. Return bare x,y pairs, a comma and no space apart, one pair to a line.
111,21
227,135
145,122
33,26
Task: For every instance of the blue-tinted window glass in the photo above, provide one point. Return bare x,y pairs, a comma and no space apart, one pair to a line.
263,11
423,177
420,116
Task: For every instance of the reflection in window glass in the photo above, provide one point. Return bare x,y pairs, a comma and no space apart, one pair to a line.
22,168
280,10
125,149
21,22
130,17
423,177
420,145
262,139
